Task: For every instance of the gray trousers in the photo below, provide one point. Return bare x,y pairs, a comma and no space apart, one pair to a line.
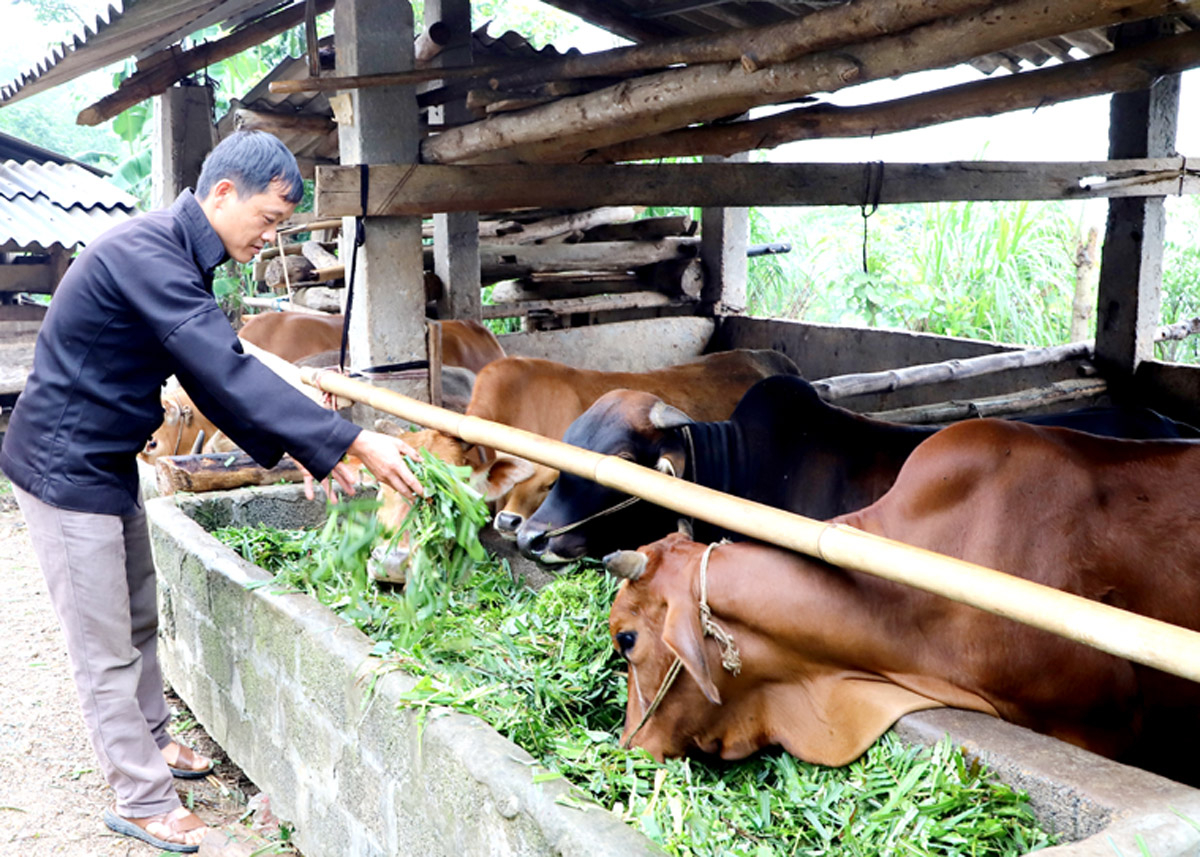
101,578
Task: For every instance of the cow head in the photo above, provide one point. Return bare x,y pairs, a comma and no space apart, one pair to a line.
634,425
183,431
654,621
812,673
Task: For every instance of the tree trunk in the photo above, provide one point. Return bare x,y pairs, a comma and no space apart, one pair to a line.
1087,273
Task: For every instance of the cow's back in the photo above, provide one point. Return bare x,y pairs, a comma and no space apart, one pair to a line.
1097,517
293,335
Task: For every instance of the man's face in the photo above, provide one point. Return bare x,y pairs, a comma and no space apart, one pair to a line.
245,225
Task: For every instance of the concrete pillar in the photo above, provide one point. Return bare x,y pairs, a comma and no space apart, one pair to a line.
1141,125
182,136
724,236
387,323
456,234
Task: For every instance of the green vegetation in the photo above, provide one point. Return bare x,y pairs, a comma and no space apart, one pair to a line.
540,668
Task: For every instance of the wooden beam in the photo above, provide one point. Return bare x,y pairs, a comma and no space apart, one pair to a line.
1009,404
597,303
1119,71
34,279
1129,296
753,47
673,99
176,65
422,189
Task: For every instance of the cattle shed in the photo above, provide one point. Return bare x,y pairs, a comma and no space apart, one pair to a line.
50,205
474,160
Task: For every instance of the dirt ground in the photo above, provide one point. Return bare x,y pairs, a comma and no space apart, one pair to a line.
51,791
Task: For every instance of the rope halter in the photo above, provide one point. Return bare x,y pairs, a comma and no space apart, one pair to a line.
731,659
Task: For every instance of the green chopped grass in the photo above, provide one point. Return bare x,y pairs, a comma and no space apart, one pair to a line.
539,667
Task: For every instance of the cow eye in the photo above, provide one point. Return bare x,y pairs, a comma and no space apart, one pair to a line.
625,641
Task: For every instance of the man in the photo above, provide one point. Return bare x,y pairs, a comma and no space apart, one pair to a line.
135,307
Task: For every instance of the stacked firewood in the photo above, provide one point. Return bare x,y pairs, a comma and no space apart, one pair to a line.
541,264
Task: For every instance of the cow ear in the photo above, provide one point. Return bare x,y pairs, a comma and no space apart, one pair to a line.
170,412
502,475
664,416
626,564
682,634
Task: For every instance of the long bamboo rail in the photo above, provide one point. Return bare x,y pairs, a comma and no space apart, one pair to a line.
1118,632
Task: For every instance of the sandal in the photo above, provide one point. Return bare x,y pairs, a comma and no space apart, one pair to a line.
187,764
178,823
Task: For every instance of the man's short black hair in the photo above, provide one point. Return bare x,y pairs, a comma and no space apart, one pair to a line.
251,160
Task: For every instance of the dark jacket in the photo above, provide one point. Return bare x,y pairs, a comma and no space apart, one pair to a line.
134,308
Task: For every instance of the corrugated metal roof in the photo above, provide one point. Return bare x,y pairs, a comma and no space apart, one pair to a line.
16,149
48,206
121,33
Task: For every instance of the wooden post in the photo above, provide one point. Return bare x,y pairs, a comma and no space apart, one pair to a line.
387,321
455,234
183,135
724,234
1141,124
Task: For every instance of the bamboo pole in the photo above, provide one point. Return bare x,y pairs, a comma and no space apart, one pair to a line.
860,383
1118,632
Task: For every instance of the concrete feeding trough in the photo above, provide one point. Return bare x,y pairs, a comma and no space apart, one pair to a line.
289,691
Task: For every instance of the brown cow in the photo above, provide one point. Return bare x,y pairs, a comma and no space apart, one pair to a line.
296,335
545,397
830,658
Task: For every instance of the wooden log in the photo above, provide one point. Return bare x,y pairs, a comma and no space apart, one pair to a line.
596,303
315,252
397,190
674,99
245,119
567,285
1179,330
756,46
321,298
172,65
330,275
396,78
646,229
219,471
1120,71
431,41
579,221
859,384
509,263
282,271
1146,641
268,253
1008,404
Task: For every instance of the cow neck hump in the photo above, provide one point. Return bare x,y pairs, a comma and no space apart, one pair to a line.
717,455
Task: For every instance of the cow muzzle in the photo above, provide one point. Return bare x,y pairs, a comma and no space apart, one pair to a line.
507,524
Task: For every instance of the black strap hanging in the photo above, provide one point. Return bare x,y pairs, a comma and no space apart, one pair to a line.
872,187
360,237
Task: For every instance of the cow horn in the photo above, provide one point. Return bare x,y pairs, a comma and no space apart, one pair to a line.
626,564
664,416
199,444
664,465
685,526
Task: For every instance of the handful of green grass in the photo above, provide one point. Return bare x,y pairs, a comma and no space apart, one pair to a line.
539,667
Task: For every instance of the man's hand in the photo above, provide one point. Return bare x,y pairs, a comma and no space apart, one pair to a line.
384,456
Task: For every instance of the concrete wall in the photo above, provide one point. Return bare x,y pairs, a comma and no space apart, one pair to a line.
281,684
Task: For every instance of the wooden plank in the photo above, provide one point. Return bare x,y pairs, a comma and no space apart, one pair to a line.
22,312
598,303
35,279
399,190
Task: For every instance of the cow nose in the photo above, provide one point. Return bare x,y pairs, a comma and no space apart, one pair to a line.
531,542
507,524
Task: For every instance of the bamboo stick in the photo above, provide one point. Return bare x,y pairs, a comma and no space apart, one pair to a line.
1008,404
1140,639
858,384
